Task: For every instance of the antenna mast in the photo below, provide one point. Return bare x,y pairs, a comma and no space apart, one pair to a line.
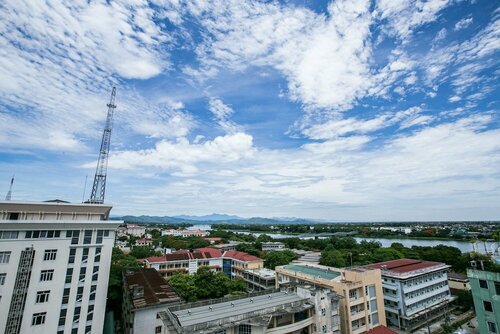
99,186
9,193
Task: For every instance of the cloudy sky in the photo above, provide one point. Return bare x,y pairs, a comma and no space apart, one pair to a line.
340,110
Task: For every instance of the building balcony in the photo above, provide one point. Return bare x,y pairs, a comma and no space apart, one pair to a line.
358,315
427,295
358,329
414,287
355,301
296,326
392,297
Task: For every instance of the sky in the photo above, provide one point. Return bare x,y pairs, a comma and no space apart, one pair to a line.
346,110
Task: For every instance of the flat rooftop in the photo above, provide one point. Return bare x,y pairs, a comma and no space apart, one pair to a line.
263,273
323,273
203,314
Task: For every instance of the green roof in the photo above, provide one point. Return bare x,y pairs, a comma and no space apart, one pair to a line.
314,271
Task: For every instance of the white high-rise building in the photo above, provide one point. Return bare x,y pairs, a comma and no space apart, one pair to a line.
54,266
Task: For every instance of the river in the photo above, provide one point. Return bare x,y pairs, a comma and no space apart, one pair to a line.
464,246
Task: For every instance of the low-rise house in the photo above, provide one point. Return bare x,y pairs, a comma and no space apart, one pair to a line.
415,291
259,279
458,282
142,242
145,294
213,240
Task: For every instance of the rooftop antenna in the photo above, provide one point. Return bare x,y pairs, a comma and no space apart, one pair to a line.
99,186
9,193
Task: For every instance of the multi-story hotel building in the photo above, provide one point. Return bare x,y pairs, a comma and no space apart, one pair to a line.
415,291
361,303
54,266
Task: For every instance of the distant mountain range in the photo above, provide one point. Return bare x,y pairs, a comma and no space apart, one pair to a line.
213,219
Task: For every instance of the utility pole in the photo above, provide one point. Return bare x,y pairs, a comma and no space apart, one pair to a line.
99,186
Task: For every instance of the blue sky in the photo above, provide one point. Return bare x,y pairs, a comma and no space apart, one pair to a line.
342,110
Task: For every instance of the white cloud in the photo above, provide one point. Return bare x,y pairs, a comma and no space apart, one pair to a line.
463,23
222,112
454,98
403,16
59,61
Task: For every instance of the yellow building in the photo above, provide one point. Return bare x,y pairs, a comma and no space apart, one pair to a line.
360,291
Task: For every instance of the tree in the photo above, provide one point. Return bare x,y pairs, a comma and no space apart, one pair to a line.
278,258
196,242
248,248
465,300
384,254
119,262
142,252
185,286
333,258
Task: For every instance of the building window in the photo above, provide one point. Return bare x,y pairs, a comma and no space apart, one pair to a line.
50,254
4,257
72,254
92,292
81,278
69,275
87,239
353,294
76,315
245,329
42,234
158,330
323,312
2,278
46,275
95,274
14,216
323,328
97,257
492,327
74,235
38,319
90,313
9,234
487,306
42,296
62,317
79,294
497,288
483,284
88,329
65,298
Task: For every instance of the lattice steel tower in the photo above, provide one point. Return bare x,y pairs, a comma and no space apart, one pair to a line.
99,186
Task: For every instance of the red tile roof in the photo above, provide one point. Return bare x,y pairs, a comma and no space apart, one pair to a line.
241,256
212,251
381,330
404,265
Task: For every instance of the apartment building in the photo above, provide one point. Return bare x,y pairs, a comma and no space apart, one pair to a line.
54,266
361,304
485,287
145,294
299,310
415,291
